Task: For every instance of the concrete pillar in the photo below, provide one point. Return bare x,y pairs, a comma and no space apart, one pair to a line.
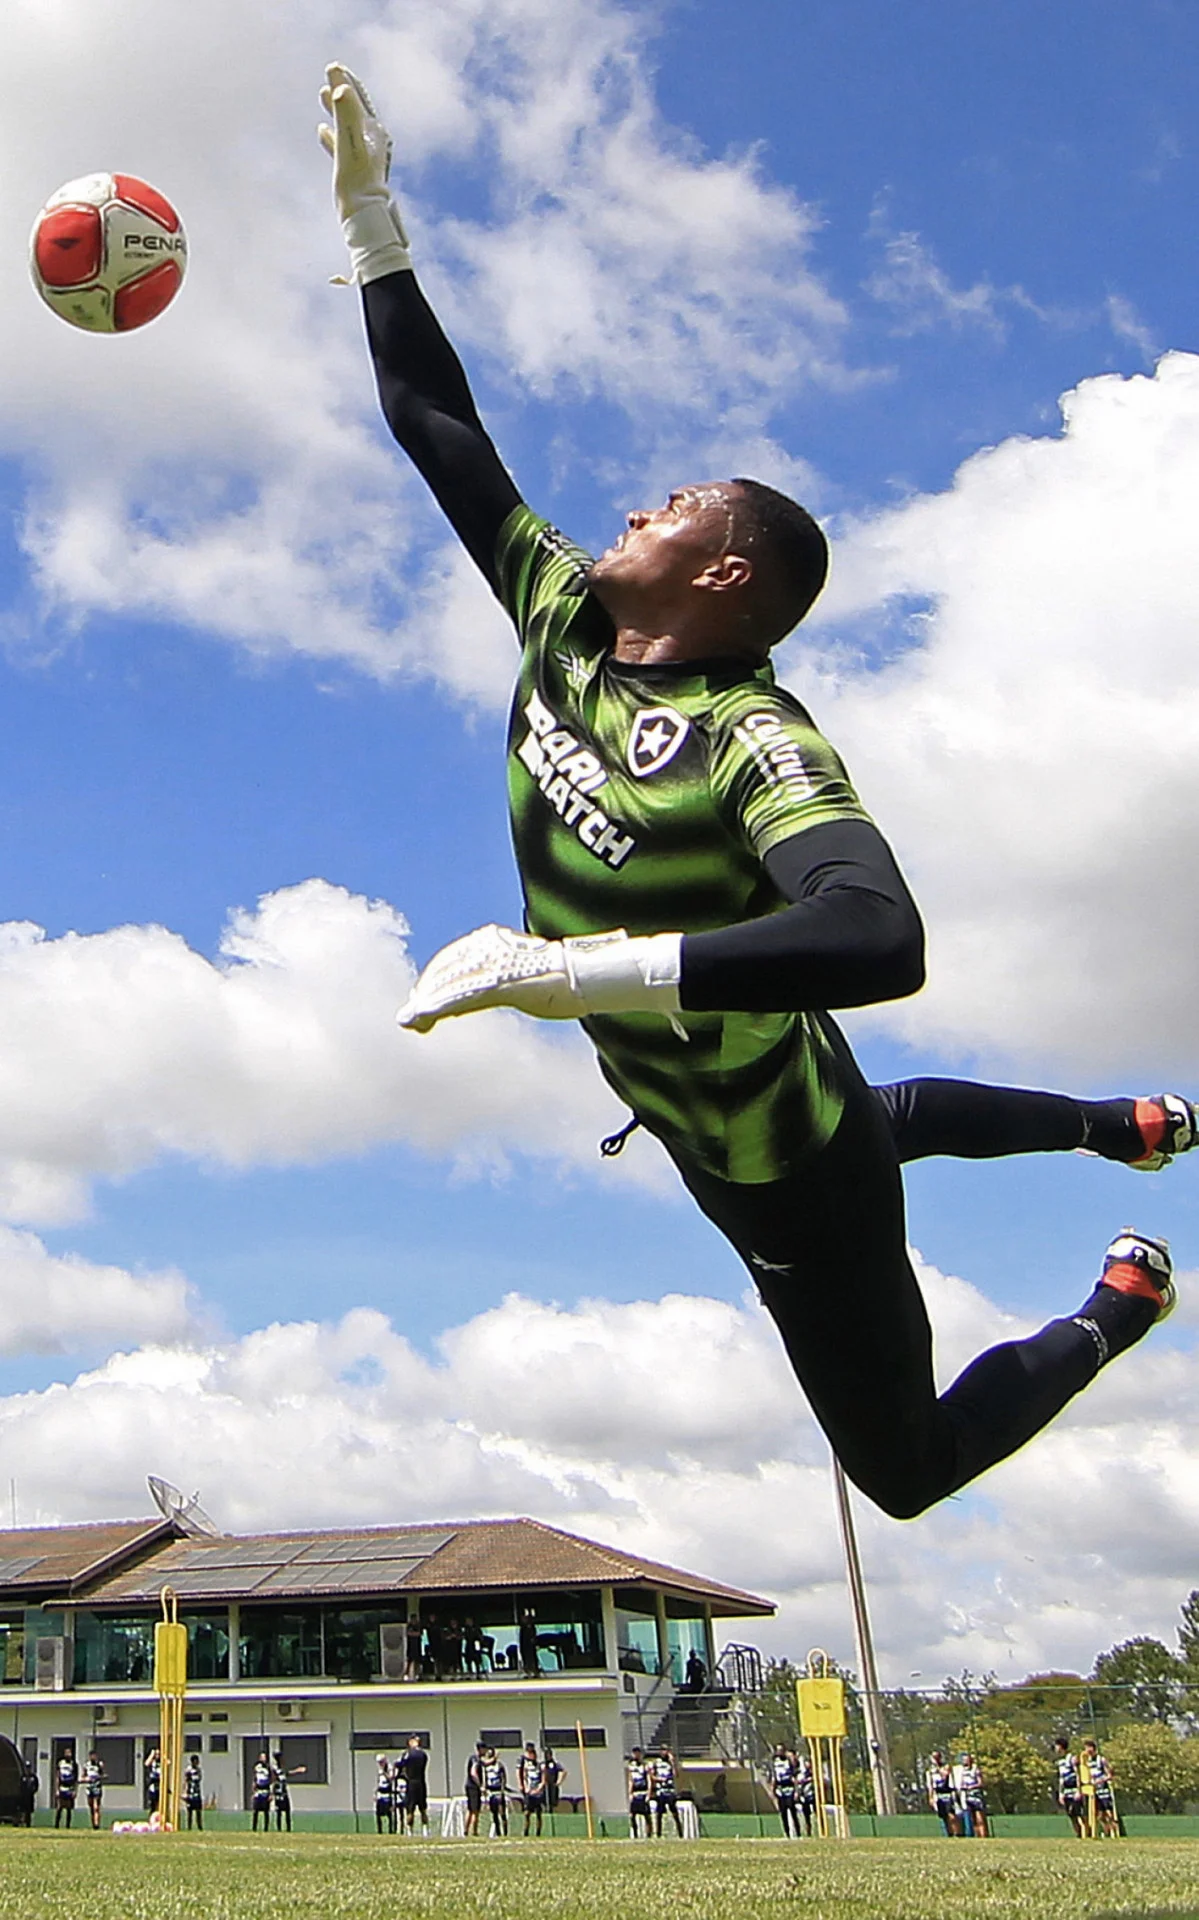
608,1628
234,1637
663,1633
709,1640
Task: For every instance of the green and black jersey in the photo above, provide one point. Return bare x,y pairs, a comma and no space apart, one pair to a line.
647,798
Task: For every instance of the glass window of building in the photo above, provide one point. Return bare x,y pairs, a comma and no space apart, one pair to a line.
636,1632
687,1639
352,1649
569,1628
207,1644
39,1625
280,1643
481,1633
117,1753
113,1649
12,1649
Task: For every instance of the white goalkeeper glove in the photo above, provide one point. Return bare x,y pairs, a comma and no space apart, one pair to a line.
554,979
360,147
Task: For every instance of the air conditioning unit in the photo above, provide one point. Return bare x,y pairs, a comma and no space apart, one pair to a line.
107,1715
393,1649
54,1660
291,1709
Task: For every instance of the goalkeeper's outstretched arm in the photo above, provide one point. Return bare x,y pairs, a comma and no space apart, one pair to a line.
422,387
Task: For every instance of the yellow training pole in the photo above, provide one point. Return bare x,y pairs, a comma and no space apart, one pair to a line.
586,1783
822,1723
170,1684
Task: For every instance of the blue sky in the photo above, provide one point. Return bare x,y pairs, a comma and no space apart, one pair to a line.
852,250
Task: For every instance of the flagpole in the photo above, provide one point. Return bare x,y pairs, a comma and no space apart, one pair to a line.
872,1706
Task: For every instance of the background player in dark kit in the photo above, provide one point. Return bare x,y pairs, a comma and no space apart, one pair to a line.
281,1791
660,779
531,1780
193,1792
93,1785
385,1817
495,1786
1069,1789
413,1767
260,1795
473,1790
638,1772
942,1797
784,1785
66,1786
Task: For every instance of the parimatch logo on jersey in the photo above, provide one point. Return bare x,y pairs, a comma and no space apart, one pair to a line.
568,773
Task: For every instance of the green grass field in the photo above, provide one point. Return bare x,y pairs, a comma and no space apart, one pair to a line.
80,1876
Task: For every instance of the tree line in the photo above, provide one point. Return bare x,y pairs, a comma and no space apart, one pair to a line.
1140,1701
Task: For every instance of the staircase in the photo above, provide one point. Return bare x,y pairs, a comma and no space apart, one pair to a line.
689,1725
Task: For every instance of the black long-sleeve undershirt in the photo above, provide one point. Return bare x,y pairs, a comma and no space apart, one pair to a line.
852,935
428,405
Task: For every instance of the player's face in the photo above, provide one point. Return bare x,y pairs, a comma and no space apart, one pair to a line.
666,547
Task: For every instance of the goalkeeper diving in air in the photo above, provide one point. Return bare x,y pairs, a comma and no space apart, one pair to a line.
702,885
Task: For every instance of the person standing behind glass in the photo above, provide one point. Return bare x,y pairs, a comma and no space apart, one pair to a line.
530,1663
472,1648
414,1640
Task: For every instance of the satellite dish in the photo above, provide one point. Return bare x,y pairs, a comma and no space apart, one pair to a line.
188,1515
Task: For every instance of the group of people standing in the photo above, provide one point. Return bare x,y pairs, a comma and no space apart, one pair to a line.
437,1649
653,1793
955,1794
1086,1790
268,1792
69,1777
539,1778
402,1790
793,1785
67,1781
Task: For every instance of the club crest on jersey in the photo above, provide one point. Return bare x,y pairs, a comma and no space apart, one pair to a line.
657,735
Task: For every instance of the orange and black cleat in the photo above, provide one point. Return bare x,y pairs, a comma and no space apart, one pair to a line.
1168,1125
1138,1265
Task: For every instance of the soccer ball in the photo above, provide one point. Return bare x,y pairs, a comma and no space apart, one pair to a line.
107,253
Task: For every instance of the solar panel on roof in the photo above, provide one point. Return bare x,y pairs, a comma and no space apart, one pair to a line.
192,1581
361,1575
390,1546
14,1569
251,1553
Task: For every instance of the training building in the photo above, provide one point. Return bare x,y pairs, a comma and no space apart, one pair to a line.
300,1643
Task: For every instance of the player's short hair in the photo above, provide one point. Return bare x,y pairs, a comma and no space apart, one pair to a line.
790,554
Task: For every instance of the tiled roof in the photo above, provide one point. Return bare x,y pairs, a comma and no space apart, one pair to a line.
504,1553
57,1560
456,1557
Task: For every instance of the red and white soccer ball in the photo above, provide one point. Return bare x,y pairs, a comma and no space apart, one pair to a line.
108,253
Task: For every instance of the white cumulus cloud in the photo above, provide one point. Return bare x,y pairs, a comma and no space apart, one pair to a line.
121,1048
671,1428
1033,745
224,470
62,1304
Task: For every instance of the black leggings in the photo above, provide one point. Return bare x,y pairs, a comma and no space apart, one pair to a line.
827,1250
